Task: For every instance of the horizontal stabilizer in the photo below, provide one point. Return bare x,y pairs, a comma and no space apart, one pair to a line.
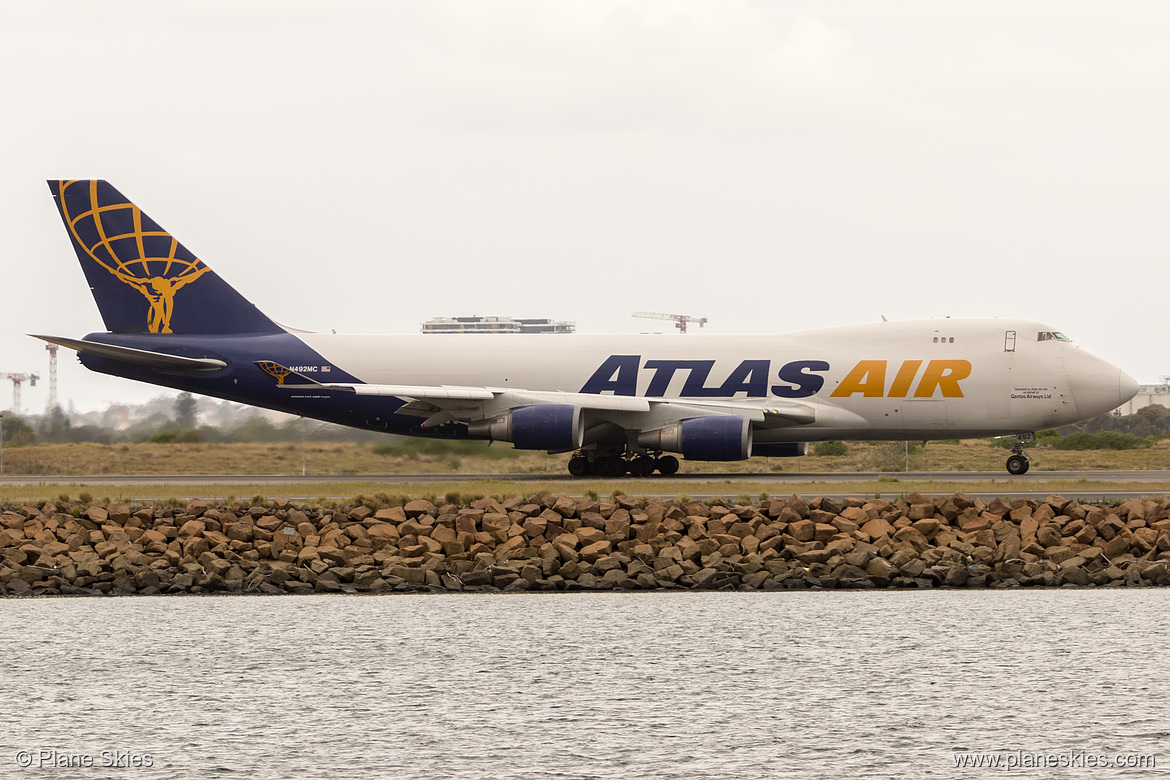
141,357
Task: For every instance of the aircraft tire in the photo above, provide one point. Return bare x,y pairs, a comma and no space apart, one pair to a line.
667,465
579,466
642,466
1017,465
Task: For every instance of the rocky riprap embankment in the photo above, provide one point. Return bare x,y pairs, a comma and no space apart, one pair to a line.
546,542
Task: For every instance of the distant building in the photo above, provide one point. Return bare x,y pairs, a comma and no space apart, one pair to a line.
496,325
1147,395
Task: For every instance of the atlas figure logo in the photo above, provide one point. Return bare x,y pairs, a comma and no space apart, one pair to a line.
275,370
139,254
800,378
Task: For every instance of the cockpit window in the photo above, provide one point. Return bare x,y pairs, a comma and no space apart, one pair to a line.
1048,335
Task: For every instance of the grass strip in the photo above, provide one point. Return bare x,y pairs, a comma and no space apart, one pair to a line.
456,491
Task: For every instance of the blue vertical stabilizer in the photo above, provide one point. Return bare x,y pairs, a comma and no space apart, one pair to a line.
143,279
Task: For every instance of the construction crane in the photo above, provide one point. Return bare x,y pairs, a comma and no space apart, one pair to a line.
680,320
17,381
52,350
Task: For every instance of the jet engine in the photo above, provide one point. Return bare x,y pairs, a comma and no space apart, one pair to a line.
555,427
779,449
703,438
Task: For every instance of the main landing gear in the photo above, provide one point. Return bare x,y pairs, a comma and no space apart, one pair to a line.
1019,462
619,465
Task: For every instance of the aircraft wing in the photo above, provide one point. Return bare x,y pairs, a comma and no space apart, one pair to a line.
411,392
511,397
771,414
456,402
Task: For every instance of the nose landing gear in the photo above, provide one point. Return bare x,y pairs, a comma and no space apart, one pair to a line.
1018,462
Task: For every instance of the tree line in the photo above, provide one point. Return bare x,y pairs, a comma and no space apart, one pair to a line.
179,423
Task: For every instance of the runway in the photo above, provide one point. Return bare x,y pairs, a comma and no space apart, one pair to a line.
1160,477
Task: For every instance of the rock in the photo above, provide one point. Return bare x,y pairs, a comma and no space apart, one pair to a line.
921,511
856,515
953,576
234,577
1048,536
877,528
413,528
624,543
814,556
566,552
606,563
839,546
213,564
846,573
596,550
984,538
331,554
704,577
912,535
393,515
413,576
383,532
476,578
192,528
360,513
194,546
802,530
1115,547
564,506
1157,573
928,527
970,525
880,567
823,532
588,535
420,507
240,532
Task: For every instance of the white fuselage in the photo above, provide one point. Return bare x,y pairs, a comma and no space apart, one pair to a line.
890,380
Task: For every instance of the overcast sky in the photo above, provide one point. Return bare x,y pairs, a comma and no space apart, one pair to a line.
365,166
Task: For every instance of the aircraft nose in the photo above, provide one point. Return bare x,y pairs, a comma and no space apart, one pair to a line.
1098,386
1127,387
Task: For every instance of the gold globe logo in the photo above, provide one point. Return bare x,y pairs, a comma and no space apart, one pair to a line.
132,255
275,370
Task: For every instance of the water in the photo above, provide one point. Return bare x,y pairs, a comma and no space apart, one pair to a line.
590,685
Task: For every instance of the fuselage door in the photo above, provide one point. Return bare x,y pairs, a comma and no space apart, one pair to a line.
1009,341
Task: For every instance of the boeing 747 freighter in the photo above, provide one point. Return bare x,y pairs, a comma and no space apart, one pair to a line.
621,404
